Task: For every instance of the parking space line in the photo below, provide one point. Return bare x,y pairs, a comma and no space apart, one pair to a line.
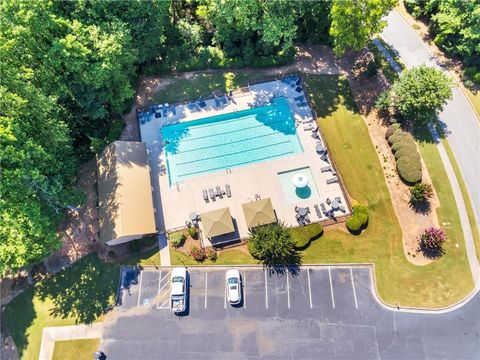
163,305
140,288
206,288
309,288
244,290
266,290
288,290
331,287
225,297
353,287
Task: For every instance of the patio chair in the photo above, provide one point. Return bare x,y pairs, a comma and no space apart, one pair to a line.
326,168
298,89
307,220
218,191
332,180
228,190
212,194
165,111
324,208
317,211
218,102
299,98
298,216
308,127
205,195
328,201
297,82
324,157
339,199
342,209
174,110
158,115
302,104
224,100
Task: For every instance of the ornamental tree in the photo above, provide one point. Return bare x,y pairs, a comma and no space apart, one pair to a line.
431,242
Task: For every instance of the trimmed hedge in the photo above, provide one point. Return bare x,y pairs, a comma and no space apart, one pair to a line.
410,169
405,143
359,219
399,135
177,239
304,234
389,132
407,151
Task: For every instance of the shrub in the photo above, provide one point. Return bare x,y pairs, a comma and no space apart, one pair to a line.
177,239
404,143
409,151
399,135
193,232
134,246
274,245
389,132
212,254
198,254
396,125
383,102
359,219
420,192
431,241
304,234
409,169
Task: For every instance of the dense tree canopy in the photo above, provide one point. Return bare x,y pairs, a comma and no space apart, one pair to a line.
354,22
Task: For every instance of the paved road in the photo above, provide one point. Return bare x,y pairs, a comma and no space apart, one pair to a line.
463,127
319,313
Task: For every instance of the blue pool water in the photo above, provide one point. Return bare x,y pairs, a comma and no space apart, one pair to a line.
229,140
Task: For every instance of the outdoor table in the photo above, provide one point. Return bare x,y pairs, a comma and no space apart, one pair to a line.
335,204
193,216
302,211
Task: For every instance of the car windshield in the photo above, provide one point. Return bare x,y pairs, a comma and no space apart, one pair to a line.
233,281
177,279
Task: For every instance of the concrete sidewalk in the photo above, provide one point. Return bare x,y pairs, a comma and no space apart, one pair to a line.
74,332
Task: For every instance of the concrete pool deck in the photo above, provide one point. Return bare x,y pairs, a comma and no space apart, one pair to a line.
174,203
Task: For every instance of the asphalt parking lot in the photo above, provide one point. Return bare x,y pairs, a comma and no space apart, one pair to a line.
317,313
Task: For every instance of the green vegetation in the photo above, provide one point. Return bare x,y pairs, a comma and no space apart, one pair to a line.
225,257
177,239
359,219
75,349
420,192
441,283
354,22
466,197
409,165
303,235
384,65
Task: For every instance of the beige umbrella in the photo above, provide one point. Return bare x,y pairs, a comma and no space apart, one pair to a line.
259,212
217,222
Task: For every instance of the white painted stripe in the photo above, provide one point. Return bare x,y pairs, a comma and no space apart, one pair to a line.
167,303
309,288
244,288
288,290
353,287
331,287
266,290
140,288
206,288
225,297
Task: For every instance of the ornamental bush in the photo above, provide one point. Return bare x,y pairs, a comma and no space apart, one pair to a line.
399,135
420,193
212,255
389,132
304,234
407,150
177,239
198,254
359,219
431,242
406,142
409,169
193,232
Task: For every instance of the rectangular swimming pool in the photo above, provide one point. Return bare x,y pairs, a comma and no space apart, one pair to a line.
229,140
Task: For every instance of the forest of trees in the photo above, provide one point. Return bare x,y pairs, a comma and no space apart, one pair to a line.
68,70
455,26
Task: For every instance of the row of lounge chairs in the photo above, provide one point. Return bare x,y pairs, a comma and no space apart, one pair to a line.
212,194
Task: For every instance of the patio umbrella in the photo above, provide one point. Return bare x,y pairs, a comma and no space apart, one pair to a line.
217,222
300,180
259,212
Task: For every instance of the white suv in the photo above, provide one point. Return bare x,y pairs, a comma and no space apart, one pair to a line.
233,282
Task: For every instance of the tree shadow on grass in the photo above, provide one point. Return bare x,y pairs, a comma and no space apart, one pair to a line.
82,291
421,207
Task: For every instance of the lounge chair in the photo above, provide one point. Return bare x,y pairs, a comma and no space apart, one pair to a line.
302,104
224,100
228,190
212,194
306,120
297,82
158,115
205,195
218,102
332,180
324,208
317,211
324,157
218,191
299,98
308,127
298,89
326,168
165,111
174,110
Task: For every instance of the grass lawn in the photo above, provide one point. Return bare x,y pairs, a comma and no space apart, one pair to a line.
75,349
439,284
226,257
203,84
384,65
466,197
474,97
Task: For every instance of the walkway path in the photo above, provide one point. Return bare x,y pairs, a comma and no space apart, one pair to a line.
463,127
466,228
74,332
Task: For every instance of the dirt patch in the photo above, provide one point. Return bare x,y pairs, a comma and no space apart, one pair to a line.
412,223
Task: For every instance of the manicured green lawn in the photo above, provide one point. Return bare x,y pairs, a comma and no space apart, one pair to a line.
227,257
203,84
441,283
75,349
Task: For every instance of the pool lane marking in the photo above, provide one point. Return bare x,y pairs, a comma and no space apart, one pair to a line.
331,287
353,287
244,288
206,288
266,290
309,288
288,290
140,288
